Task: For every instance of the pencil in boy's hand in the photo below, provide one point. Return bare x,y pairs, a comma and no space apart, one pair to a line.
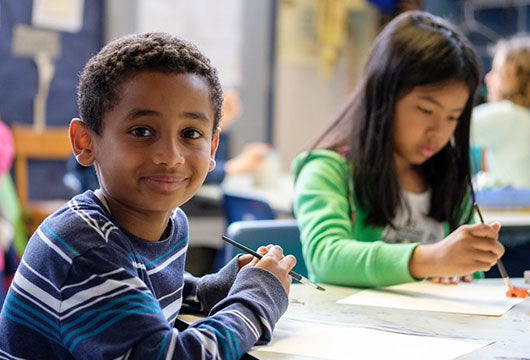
294,274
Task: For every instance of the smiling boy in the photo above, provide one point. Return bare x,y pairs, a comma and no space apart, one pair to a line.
104,277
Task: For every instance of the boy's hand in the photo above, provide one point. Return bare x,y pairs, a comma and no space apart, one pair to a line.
273,261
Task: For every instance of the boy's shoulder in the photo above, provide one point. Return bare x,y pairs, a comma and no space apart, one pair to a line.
84,223
81,224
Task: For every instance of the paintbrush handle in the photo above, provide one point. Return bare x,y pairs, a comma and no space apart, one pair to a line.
500,265
504,274
294,274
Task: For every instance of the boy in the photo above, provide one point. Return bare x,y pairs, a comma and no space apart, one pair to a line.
103,277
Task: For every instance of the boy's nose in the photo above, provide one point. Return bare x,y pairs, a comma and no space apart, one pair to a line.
169,152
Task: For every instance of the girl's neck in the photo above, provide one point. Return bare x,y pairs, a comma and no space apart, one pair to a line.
408,176
412,181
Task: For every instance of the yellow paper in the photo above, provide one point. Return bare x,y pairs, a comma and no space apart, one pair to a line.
465,298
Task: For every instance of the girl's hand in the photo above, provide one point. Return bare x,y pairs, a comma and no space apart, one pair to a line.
468,249
452,280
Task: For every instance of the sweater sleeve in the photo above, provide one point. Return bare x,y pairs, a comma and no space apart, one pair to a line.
228,287
202,293
245,315
323,211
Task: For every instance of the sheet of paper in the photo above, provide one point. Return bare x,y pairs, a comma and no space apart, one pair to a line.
61,15
343,341
215,26
465,298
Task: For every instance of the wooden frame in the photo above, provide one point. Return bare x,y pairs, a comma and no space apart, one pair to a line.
51,143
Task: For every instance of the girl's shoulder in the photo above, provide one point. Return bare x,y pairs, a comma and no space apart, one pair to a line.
498,108
319,158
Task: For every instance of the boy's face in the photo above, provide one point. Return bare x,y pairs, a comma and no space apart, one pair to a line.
155,147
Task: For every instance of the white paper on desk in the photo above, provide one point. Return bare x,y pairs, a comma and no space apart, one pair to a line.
342,341
465,298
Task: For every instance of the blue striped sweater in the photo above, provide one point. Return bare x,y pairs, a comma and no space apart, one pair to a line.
86,289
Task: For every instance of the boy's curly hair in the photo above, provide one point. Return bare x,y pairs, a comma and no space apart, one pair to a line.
123,58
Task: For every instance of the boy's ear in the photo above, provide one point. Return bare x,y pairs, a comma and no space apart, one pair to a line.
81,141
213,150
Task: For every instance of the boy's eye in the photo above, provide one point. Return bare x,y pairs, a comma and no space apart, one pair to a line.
192,134
141,132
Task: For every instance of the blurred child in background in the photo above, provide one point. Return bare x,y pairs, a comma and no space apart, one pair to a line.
501,126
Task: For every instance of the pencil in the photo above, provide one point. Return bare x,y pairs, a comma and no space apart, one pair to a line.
294,274
502,269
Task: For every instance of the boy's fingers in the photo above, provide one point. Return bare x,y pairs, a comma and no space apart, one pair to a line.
262,250
289,260
275,250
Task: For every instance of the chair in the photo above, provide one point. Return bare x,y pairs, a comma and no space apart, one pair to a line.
255,233
49,144
237,207
241,207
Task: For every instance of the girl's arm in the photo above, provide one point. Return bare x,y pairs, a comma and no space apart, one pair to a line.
334,251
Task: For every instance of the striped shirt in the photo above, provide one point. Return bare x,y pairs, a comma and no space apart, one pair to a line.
87,289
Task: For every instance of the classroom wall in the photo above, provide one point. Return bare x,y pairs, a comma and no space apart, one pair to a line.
280,92
285,96
236,34
484,22
309,94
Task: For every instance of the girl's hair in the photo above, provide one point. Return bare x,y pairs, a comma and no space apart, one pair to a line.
516,63
414,49
122,59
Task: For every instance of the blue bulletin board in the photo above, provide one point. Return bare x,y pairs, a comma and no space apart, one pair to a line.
19,81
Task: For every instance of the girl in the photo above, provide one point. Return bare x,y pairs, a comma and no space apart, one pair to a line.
502,126
382,196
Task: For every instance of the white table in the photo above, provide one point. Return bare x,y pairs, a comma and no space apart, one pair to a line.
511,331
278,194
515,225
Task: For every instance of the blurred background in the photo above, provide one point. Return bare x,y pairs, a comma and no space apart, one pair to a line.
293,63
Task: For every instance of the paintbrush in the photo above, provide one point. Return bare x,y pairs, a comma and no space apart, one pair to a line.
294,274
502,270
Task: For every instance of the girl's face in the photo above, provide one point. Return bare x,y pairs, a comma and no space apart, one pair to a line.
425,120
500,81
156,146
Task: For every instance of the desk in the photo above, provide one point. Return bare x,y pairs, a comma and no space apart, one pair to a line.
278,195
507,217
207,231
509,331
515,224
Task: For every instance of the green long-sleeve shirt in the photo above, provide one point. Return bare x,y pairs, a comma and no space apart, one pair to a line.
337,249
